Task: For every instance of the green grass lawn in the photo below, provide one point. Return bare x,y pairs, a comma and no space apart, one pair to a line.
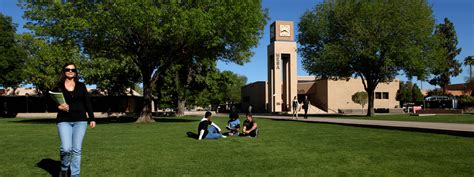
462,118
284,148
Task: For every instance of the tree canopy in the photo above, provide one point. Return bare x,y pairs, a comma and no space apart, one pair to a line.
184,82
409,93
360,98
374,40
12,56
113,77
43,66
153,34
446,65
212,87
469,61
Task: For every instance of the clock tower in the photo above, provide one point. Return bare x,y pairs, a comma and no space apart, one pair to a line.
282,78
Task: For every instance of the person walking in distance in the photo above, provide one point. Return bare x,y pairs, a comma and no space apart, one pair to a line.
295,106
72,119
306,106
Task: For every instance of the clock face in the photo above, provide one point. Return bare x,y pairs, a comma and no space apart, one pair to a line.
285,30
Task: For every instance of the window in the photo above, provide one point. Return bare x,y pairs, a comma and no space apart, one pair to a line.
378,95
385,95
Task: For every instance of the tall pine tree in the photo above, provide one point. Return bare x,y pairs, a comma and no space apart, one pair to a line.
447,66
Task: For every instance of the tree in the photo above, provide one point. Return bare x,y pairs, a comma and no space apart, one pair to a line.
212,94
153,34
405,94
229,85
360,98
43,66
210,87
111,76
409,93
184,82
447,65
370,39
416,94
12,56
465,101
469,61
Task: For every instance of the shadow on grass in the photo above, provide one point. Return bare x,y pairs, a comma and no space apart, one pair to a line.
35,121
50,165
411,129
109,120
98,120
166,120
281,120
338,116
192,135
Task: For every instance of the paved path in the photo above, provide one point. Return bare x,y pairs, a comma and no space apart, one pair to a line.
444,128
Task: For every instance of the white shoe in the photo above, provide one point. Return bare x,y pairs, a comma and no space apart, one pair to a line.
223,136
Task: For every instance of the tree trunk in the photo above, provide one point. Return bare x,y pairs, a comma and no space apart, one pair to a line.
370,108
470,73
145,115
444,88
181,107
14,90
369,85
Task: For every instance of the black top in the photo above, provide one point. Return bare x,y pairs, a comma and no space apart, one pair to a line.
79,103
295,103
305,104
248,125
203,126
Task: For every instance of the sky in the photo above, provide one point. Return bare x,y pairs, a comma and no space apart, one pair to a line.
460,12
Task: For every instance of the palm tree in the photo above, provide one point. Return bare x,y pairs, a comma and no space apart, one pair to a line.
469,60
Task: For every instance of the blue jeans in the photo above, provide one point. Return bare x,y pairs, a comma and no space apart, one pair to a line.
213,133
71,135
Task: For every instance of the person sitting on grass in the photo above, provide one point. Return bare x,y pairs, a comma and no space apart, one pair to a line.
208,129
250,127
233,125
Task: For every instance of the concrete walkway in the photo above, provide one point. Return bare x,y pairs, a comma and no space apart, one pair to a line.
433,127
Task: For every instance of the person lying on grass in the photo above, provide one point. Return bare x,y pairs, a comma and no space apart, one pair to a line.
250,127
208,129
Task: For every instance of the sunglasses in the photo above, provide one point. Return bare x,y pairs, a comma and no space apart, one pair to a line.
69,70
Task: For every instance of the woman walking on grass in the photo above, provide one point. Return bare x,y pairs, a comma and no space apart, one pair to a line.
72,119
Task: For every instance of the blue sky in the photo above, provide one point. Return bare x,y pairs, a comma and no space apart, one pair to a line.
460,12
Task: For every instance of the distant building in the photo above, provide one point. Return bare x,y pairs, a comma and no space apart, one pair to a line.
18,91
254,94
326,96
459,89
27,100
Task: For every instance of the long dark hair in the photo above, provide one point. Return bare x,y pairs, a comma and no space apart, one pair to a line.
62,77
